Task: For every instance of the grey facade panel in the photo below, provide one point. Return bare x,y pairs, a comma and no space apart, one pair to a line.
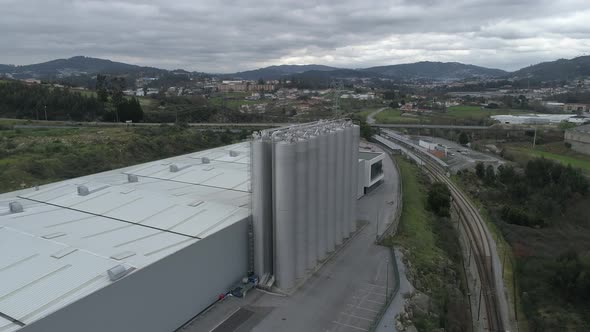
162,296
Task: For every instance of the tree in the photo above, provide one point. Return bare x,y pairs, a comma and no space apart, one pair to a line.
463,138
101,88
480,170
490,175
439,199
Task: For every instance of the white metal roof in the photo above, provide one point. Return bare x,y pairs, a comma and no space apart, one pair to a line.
60,247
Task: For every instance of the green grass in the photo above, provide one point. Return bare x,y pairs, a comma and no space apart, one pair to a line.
554,151
395,116
415,231
476,112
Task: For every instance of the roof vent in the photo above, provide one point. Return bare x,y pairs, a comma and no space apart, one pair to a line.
83,190
117,272
233,153
173,168
15,207
205,160
132,178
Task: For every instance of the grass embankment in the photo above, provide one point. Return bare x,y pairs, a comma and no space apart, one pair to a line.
477,113
31,157
434,255
391,116
555,151
454,114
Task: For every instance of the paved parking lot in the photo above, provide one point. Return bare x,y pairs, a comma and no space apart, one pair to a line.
365,304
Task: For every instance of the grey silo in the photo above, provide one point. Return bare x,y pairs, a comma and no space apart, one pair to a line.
340,206
322,194
348,166
301,189
262,210
312,202
331,190
285,212
356,134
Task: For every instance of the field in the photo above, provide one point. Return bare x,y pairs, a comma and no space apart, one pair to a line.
477,113
395,116
455,115
555,151
30,157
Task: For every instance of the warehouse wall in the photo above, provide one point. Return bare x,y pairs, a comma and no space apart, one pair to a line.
162,296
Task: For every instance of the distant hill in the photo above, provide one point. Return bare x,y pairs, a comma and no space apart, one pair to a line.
442,71
78,65
277,72
562,69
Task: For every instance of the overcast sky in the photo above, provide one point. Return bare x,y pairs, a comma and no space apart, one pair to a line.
226,36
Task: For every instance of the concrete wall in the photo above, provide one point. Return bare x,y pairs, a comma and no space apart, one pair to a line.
580,141
162,296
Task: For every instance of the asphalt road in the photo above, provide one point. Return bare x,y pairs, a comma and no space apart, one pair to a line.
345,295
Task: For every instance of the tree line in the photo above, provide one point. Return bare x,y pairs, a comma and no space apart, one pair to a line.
40,102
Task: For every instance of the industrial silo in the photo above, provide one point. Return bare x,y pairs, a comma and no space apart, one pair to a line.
285,197
348,175
355,164
261,154
331,190
323,193
312,200
301,190
339,181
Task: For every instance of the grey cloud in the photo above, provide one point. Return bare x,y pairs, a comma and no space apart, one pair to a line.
222,36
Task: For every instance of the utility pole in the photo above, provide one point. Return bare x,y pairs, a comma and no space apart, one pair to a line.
45,112
535,138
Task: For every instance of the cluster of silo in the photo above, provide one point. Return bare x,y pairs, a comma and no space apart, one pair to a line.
304,196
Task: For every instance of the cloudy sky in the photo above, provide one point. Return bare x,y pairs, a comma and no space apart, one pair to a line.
226,36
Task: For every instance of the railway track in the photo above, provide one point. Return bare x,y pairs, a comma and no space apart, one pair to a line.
478,238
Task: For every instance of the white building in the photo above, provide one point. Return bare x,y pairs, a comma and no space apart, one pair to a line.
143,248
370,171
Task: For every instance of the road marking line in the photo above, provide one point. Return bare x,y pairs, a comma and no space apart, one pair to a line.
374,285
375,301
359,307
351,326
359,317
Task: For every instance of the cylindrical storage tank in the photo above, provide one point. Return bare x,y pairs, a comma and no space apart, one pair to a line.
348,175
339,181
312,202
261,156
322,195
356,134
331,191
301,220
285,213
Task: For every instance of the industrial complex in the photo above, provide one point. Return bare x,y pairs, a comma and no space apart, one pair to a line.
148,247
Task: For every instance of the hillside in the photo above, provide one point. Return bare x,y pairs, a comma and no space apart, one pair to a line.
562,69
77,65
277,72
443,71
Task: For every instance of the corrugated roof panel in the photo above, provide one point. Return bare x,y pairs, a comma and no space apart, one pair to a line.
117,222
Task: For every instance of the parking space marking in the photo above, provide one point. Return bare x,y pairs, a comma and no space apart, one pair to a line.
351,326
355,316
359,307
375,301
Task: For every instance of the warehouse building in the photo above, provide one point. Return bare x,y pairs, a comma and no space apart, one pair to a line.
579,138
143,248
147,247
